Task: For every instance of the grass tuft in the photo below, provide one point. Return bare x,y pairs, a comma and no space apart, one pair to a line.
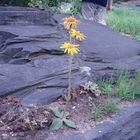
110,107
105,85
128,89
124,87
107,107
137,75
126,21
97,112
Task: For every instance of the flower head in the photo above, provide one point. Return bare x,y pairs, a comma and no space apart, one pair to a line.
70,22
77,34
70,48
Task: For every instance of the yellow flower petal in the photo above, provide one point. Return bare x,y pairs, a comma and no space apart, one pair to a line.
70,48
70,22
77,34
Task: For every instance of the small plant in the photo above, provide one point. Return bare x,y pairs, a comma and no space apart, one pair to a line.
97,112
127,88
122,84
122,89
36,3
68,6
105,85
134,92
137,75
92,87
110,107
61,118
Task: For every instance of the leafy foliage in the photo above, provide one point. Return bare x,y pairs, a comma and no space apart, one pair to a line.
76,9
15,2
61,6
61,118
36,3
56,124
69,123
92,87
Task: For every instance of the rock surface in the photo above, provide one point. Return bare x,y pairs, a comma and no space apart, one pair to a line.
34,68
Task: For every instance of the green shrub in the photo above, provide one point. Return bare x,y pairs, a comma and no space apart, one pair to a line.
60,6
15,2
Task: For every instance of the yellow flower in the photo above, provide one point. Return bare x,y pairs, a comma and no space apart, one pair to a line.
77,34
70,48
70,22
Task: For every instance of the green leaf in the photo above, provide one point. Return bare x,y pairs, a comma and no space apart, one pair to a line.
56,124
57,112
66,113
69,123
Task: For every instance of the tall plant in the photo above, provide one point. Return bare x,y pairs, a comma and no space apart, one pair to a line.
71,49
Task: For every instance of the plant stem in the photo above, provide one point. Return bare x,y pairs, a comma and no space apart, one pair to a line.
69,84
69,81
69,75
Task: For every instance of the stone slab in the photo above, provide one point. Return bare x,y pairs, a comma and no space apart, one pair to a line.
32,64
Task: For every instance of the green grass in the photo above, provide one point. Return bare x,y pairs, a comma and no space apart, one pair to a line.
122,84
105,85
110,107
100,110
128,89
137,75
126,21
97,112
124,87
